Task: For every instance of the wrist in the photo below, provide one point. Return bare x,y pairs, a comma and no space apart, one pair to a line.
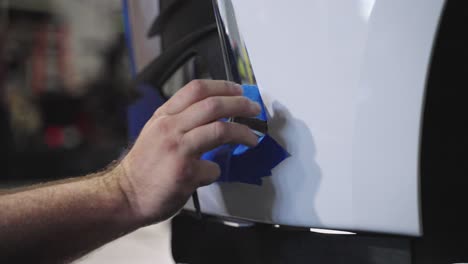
120,190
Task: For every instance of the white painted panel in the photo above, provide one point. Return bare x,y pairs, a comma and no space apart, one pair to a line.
343,81
388,116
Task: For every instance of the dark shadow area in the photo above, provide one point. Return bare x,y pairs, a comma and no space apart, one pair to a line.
197,242
444,145
302,176
249,201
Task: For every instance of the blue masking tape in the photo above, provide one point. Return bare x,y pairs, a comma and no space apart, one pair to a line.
240,163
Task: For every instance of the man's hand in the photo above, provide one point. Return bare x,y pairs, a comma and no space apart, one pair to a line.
150,184
163,168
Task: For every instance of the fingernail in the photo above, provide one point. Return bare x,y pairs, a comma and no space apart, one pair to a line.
255,107
237,88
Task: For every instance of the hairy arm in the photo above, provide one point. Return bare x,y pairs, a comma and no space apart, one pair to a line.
62,221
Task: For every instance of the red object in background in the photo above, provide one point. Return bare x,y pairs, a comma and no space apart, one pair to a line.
54,137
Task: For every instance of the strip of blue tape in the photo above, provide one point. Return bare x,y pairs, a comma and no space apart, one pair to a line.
240,163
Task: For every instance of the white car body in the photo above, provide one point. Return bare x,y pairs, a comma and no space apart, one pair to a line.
344,83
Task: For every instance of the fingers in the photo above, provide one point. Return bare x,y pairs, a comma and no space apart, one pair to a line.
207,172
208,137
196,91
215,108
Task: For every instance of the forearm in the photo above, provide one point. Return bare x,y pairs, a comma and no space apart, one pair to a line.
63,221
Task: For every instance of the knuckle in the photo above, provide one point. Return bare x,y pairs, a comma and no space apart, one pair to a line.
213,105
166,126
171,144
186,142
163,126
165,130
197,88
220,131
158,112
